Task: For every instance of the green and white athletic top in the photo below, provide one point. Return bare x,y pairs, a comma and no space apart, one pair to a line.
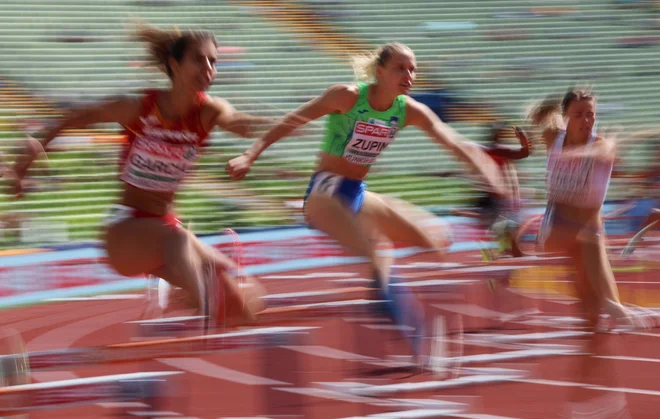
361,134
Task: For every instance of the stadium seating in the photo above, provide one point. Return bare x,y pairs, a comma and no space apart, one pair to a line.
496,55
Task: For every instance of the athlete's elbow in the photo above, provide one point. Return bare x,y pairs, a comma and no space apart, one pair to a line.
243,131
521,155
82,118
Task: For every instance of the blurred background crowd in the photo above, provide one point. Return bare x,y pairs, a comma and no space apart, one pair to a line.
480,62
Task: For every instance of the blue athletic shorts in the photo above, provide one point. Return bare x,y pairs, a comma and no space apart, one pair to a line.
350,191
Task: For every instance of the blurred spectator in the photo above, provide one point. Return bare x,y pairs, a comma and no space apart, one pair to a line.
638,41
449,106
330,9
501,215
75,36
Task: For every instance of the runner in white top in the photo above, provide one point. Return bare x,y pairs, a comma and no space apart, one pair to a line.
579,168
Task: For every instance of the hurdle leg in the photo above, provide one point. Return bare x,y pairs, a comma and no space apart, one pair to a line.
147,388
159,395
151,393
284,366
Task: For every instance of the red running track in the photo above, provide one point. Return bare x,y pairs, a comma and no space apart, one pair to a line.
236,384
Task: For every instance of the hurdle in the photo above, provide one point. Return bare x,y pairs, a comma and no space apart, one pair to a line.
500,376
144,386
16,399
277,306
470,271
310,305
321,296
148,350
260,338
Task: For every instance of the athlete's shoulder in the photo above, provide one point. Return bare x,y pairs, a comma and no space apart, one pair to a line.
124,109
215,105
215,111
343,91
412,103
418,114
340,98
142,100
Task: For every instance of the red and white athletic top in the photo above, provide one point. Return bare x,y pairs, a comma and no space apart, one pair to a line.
159,152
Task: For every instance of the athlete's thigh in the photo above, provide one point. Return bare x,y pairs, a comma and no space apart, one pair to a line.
136,246
561,239
403,222
329,215
598,268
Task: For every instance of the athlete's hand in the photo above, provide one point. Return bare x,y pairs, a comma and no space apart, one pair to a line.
238,167
522,137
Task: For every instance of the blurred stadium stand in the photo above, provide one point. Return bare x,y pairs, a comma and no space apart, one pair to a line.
480,61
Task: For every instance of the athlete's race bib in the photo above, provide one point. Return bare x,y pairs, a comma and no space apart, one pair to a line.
157,165
367,142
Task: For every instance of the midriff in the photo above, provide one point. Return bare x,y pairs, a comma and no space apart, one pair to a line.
338,165
152,202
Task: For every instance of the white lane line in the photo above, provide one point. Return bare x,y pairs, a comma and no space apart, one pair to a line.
339,395
429,265
208,369
314,275
587,386
473,310
413,414
628,358
327,352
351,280
391,389
525,337
435,283
100,297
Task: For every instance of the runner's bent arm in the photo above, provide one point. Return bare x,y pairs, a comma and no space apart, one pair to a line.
511,154
334,99
122,110
239,123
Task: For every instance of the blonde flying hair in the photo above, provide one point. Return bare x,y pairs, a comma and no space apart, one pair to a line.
365,65
165,44
548,113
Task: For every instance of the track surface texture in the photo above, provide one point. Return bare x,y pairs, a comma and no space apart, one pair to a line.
305,378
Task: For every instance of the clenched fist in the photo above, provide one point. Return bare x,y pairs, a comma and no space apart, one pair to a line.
238,167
